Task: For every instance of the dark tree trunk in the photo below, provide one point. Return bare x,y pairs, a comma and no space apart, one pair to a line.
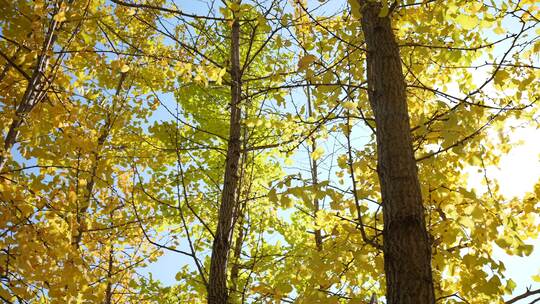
109,289
407,249
235,269
217,283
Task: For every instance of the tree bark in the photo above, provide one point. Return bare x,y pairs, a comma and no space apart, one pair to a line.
407,249
217,283
314,177
235,269
110,266
238,219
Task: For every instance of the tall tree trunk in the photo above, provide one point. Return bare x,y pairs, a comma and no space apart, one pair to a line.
238,216
217,283
239,242
82,206
109,288
407,249
314,176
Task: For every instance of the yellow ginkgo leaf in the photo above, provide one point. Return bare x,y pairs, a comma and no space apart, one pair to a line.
467,22
60,17
317,153
385,9
305,61
499,30
124,69
501,76
349,105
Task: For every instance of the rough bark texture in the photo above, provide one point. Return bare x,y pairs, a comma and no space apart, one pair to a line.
407,250
217,283
235,269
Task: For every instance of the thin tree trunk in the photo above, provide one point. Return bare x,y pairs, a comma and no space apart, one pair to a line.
82,206
33,95
314,177
109,290
407,249
217,285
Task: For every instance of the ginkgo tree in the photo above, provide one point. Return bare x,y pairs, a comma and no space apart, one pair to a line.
66,217
288,152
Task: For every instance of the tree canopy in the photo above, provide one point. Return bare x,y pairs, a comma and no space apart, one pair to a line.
286,151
